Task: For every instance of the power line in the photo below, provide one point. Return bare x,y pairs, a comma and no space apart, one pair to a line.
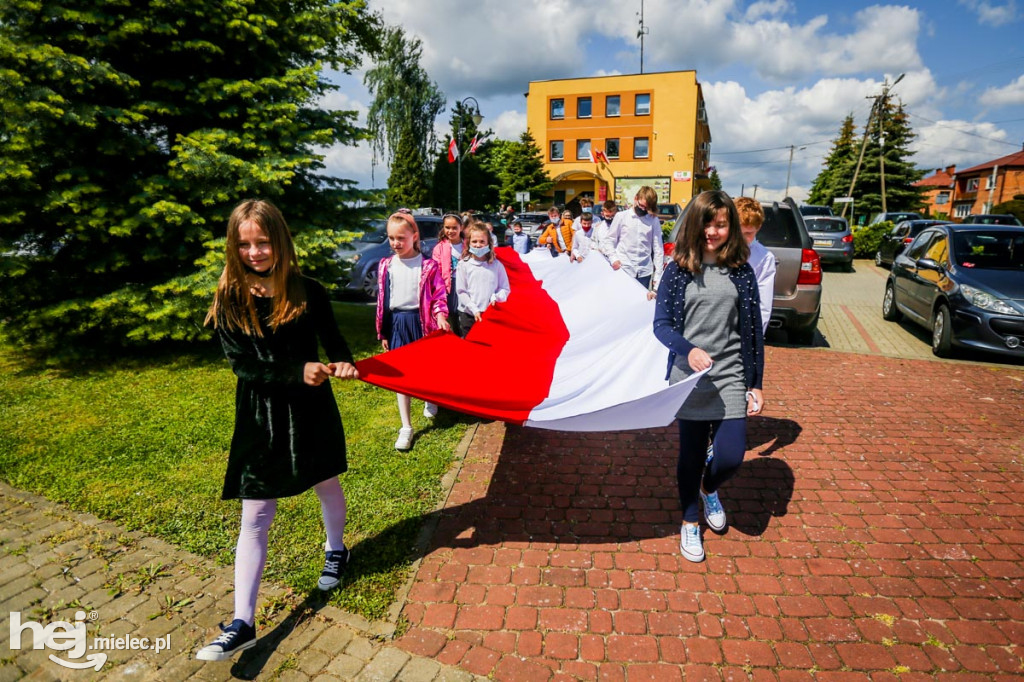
772,149
963,132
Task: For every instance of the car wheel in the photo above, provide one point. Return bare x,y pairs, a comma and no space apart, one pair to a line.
942,333
370,282
889,310
878,258
848,266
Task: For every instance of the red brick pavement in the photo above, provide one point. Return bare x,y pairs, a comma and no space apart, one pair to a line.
876,532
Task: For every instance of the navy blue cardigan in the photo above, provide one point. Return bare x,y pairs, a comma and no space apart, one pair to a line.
670,318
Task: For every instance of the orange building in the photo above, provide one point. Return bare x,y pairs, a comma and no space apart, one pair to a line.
979,188
936,199
605,136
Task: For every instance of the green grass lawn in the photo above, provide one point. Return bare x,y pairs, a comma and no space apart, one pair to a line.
144,443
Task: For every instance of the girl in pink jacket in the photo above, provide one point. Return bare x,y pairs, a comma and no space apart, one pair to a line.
410,303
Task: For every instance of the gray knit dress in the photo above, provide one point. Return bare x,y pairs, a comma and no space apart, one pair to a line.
712,324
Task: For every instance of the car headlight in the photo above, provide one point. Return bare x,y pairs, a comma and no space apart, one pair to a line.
355,258
985,300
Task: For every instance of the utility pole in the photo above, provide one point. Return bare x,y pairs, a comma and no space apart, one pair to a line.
640,34
755,192
790,169
867,130
881,134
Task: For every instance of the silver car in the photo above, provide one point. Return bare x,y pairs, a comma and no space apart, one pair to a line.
832,239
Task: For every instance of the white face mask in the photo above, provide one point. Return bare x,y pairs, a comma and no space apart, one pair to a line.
480,251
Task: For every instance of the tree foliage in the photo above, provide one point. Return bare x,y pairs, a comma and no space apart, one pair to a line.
716,182
1014,207
404,98
835,177
407,184
128,131
478,181
519,168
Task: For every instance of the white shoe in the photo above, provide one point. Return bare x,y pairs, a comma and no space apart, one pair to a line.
690,544
713,511
429,410
404,441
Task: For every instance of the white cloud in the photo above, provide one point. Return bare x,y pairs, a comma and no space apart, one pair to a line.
509,125
993,14
963,143
767,8
1008,95
354,163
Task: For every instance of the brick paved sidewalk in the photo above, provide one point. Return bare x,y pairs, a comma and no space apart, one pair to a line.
876,532
54,562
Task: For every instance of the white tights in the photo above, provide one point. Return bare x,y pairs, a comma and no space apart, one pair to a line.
251,552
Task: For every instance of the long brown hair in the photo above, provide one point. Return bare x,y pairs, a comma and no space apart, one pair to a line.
476,226
234,306
689,247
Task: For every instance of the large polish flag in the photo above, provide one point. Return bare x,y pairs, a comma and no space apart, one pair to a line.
572,349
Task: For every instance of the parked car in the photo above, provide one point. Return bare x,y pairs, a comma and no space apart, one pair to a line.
366,251
668,212
812,210
991,219
796,305
898,237
832,239
894,217
966,284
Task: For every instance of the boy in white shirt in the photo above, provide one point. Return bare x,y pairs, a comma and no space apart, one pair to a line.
761,259
635,236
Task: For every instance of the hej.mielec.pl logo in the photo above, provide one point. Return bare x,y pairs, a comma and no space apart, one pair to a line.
72,638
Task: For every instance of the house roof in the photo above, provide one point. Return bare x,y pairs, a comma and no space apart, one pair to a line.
939,178
1015,159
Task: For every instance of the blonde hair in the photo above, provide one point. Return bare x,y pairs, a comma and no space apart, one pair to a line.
477,226
234,306
406,220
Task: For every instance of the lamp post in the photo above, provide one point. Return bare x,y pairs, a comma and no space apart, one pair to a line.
477,118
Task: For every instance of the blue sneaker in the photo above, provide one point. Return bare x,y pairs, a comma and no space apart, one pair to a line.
233,638
690,543
334,565
713,511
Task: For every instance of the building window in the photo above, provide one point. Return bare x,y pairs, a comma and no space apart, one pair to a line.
557,109
583,107
643,105
611,147
972,184
583,150
557,150
963,210
988,182
942,198
641,147
611,105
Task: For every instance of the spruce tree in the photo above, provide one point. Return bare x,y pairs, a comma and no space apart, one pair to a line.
837,172
128,132
522,170
407,184
900,173
716,182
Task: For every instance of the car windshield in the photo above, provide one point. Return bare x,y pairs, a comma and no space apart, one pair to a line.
822,225
376,232
995,250
816,210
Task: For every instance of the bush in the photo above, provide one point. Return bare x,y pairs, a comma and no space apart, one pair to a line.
867,238
666,229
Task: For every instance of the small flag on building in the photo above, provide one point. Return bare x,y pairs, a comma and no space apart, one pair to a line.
473,145
453,151
601,156
591,155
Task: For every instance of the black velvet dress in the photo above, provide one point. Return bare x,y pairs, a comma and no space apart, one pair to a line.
288,435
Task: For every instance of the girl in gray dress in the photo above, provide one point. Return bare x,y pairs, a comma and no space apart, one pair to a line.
708,314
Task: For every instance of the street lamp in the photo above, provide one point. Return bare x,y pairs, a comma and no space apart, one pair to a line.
477,118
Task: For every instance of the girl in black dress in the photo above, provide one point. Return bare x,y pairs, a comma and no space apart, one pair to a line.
288,435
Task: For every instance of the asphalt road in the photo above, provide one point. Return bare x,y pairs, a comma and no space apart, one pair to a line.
851,320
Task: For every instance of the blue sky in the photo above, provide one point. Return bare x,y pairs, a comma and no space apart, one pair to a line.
775,73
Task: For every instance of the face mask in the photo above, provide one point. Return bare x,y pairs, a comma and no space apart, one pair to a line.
480,251
640,211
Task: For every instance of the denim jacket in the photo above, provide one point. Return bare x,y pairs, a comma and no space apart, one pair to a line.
670,318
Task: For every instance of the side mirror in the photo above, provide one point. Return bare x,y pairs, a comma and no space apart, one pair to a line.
929,264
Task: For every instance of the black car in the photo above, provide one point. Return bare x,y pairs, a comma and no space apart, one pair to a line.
896,239
812,210
992,219
966,284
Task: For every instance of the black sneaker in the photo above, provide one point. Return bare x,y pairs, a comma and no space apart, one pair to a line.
234,638
334,565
